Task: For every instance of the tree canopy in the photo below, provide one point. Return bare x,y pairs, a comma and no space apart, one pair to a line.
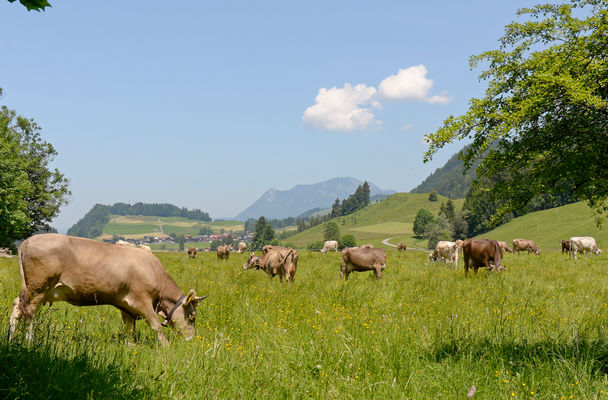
542,125
263,235
31,192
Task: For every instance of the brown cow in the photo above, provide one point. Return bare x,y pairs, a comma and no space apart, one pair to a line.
401,246
525,245
241,247
192,252
481,253
275,260
362,259
566,247
85,272
223,252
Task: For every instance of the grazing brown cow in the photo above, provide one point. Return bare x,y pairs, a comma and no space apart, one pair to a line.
362,259
566,246
223,252
401,246
85,272
241,247
481,253
275,260
505,247
525,245
192,252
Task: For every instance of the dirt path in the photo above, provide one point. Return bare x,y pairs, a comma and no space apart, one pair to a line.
385,242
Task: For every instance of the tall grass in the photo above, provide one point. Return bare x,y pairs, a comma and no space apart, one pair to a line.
537,330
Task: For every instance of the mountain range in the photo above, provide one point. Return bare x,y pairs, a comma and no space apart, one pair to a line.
301,198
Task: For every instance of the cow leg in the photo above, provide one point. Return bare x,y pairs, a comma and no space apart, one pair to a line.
344,270
16,316
378,271
129,321
149,315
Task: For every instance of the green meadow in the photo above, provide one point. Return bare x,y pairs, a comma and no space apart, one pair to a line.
392,217
535,331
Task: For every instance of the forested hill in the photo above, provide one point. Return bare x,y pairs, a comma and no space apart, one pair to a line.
449,180
91,225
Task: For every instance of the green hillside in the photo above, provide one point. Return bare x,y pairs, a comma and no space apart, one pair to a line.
392,217
135,226
548,227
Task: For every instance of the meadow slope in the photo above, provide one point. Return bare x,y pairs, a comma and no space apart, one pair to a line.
536,331
548,227
392,217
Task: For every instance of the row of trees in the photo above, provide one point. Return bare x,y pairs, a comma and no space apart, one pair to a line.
356,201
91,225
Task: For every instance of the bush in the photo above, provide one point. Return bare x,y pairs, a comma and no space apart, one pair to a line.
433,196
348,241
315,245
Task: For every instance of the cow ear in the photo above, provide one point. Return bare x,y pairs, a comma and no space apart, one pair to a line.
191,296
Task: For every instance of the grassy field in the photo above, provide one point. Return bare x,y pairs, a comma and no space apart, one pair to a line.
136,226
536,331
548,227
392,217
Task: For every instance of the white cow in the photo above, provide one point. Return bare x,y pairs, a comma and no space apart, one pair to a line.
329,245
586,244
447,251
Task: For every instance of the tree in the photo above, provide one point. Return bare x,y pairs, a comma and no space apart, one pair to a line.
38,5
439,230
448,210
460,228
423,218
331,231
181,241
336,209
263,234
543,119
31,193
433,196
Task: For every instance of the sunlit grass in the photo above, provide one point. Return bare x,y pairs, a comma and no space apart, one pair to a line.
538,330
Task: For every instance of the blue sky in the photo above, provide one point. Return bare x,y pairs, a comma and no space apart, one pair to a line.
209,104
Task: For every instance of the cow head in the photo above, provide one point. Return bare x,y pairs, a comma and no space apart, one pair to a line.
597,252
433,256
184,316
252,262
191,252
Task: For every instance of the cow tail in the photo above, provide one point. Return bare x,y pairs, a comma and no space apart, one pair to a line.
23,297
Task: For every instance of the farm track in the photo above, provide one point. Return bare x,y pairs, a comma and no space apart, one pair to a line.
385,242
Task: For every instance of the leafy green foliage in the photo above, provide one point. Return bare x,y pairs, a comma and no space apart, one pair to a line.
31,193
331,231
263,234
433,195
422,220
542,125
37,5
348,241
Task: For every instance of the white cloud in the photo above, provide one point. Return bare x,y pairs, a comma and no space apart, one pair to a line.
352,107
407,127
410,84
343,109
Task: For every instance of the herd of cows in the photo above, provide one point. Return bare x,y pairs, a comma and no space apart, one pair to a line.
488,253
85,272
